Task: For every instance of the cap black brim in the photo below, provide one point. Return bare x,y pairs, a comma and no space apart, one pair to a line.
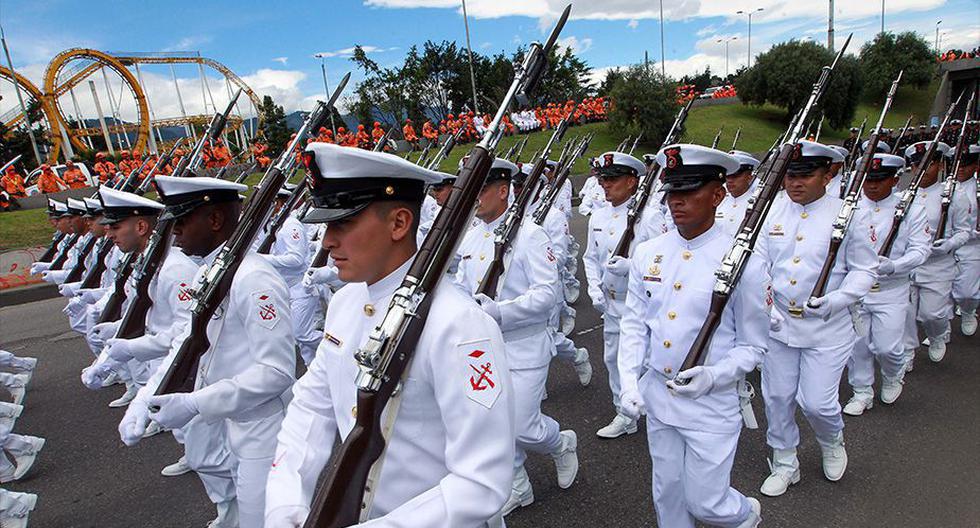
323,215
683,186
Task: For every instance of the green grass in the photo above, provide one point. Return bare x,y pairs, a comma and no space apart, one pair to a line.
760,127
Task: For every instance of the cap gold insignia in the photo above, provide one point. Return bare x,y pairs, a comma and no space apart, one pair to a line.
207,198
654,270
389,190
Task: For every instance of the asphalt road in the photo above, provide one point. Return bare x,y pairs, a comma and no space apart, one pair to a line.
913,464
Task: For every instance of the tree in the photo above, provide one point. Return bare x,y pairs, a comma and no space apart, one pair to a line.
642,102
613,75
701,81
784,77
882,58
273,126
18,141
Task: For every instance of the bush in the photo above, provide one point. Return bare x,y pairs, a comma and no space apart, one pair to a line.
642,102
784,77
882,59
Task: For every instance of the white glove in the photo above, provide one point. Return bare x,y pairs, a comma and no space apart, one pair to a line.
134,422
453,266
94,375
102,332
38,267
886,266
287,517
701,381
631,403
941,247
120,350
322,275
489,306
618,266
90,296
74,308
47,276
775,321
822,307
68,289
175,410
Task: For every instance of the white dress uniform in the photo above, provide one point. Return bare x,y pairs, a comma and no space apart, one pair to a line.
606,289
932,282
592,196
427,215
807,354
966,284
882,311
456,393
290,255
527,295
731,211
692,441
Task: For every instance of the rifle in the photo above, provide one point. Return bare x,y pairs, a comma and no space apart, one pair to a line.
424,153
622,145
901,135
850,162
217,280
384,139
246,171
444,151
59,261
738,133
646,187
949,185
389,349
846,213
520,150
816,135
908,196
53,247
9,163
635,142
506,232
734,262
144,265
714,144
541,213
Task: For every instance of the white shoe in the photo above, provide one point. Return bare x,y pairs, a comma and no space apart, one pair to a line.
619,426
112,379
925,342
17,394
227,515
521,493
572,293
755,517
784,472
25,364
127,397
583,367
858,404
152,429
23,461
891,389
177,468
566,459
937,351
834,460
909,360
15,508
968,323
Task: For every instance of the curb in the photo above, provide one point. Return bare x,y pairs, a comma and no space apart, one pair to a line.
27,294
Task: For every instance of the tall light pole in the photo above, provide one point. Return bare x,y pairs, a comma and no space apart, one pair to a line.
748,60
326,88
938,22
663,52
830,27
20,99
726,41
469,50
882,16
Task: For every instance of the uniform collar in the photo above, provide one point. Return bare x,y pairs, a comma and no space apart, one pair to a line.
386,287
886,201
812,206
208,259
700,240
491,226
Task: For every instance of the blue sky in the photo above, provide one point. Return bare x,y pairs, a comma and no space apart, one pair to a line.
271,44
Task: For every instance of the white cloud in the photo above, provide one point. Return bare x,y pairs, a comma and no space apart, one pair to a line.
188,43
348,52
577,45
281,60
633,23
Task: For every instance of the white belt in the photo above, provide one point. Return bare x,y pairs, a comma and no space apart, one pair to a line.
524,332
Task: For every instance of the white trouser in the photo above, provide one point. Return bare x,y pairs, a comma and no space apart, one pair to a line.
206,452
808,378
966,285
692,477
14,444
536,431
610,356
564,347
929,304
253,445
886,327
9,360
306,309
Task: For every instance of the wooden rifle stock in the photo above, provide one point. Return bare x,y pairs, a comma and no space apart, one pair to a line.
59,261
949,186
113,307
53,247
76,272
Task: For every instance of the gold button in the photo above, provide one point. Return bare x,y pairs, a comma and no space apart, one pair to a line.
353,411
686,255
671,315
792,303
677,286
668,370
482,257
796,260
369,310
804,215
486,235
612,231
666,343
799,238
877,209
792,282
615,215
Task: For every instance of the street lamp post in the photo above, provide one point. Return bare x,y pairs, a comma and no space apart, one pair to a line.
748,60
326,88
727,41
663,52
883,16
938,22
469,50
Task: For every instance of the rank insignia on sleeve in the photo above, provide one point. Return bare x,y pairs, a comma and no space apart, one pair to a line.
332,339
480,378
266,311
657,259
184,292
295,234
551,255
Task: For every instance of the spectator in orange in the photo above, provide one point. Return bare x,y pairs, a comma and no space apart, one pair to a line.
13,183
105,169
125,162
408,132
377,133
429,132
258,153
74,177
221,153
49,182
